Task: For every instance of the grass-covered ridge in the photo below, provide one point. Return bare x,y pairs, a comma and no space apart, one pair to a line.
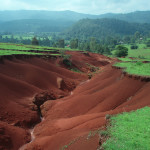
129,131
138,68
133,63
20,49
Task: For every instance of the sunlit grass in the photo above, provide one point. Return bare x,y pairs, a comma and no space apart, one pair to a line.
10,52
129,131
10,49
138,68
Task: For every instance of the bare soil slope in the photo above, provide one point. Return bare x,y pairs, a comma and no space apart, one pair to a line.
67,120
21,79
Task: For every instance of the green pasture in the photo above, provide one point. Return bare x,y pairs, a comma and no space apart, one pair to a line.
11,49
136,68
129,131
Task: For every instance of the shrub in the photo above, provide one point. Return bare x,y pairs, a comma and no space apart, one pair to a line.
35,41
134,47
139,63
148,43
121,51
66,60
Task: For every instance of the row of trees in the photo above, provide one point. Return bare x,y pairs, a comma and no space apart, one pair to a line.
103,46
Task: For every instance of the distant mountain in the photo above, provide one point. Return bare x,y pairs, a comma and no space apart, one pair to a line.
104,27
57,21
43,15
136,17
35,25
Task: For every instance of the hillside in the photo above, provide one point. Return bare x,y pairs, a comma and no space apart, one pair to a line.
56,21
104,27
136,17
35,25
69,104
44,15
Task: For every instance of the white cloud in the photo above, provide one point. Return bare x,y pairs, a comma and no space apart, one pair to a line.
83,6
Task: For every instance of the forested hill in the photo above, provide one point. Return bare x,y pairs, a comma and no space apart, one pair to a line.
35,25
136,17
43,15
104,27
57,21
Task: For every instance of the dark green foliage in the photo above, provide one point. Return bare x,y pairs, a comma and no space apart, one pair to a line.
74,43
134,47
61,43
67,62
102,28
148,43
121,51
35,41
66,58
86,46
104,133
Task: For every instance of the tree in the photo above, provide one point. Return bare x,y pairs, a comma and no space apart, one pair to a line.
93,44
137,35
86,46
121,51
74,44
148,43
35,41
134,47
61,43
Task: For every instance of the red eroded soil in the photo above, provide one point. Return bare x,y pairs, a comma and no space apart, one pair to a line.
68,119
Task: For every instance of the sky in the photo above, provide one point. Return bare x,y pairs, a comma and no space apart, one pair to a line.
82,6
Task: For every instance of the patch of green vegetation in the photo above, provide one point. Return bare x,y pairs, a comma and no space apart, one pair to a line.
142,51
6,46
92,67
125,59
72,142
10,49
129,131
138,68
9,52
76,70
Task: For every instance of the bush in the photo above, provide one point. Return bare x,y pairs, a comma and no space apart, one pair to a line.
148,43
121,51
35,41
134,47
67,62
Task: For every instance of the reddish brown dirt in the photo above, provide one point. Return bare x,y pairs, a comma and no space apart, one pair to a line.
23,78
72,117
67,121
11,136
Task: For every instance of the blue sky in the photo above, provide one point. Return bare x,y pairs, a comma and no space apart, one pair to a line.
83,6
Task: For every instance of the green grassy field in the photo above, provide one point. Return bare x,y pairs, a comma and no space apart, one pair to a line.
12,49
129,131
24,37
138,68
142,52
135,65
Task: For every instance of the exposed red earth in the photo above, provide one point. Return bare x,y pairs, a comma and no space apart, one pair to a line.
71,105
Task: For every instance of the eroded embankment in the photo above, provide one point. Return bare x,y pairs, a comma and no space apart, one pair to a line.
68,121
24,79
